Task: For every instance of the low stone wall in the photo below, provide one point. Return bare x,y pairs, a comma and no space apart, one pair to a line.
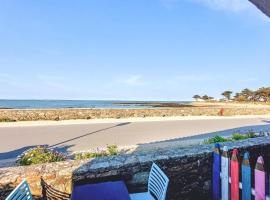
66,114
188,169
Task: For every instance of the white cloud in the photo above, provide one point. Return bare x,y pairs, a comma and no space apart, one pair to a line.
134,80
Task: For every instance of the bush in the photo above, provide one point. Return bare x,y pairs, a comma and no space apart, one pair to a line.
39,155
216,139
111,150
238,136
235,137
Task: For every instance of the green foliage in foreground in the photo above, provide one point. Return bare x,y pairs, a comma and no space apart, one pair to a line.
234,137
216,139
111,150
39,155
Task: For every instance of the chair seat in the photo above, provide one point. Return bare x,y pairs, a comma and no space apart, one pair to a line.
141,196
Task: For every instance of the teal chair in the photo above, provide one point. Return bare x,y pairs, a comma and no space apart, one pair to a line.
157,186
22,192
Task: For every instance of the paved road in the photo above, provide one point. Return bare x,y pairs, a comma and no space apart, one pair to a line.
70,138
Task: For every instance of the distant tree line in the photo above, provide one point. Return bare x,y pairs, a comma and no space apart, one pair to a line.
246,95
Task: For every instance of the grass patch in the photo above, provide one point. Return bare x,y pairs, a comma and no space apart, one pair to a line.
234,137
39,155
111,150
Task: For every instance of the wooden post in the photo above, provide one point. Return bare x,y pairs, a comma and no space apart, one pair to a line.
260,180
234,176
225,174
246,178
216,172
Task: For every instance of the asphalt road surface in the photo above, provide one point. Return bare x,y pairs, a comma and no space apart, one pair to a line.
69,138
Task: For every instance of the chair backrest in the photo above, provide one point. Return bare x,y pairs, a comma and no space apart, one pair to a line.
157,183
22,192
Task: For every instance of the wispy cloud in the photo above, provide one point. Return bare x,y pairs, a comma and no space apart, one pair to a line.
134,80
193,77
169,4
227,5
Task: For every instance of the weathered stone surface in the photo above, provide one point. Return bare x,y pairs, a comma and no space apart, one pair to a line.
263,5
189,170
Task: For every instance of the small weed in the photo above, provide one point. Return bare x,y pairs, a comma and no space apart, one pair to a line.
111,150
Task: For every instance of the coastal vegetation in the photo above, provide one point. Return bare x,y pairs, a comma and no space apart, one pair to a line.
234,137
111,150
203,97
246,95
39,155
7,120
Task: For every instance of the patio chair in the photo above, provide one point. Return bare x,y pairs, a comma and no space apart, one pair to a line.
157,186
22,191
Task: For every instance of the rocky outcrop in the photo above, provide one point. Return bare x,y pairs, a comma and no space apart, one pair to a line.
189,171
263,5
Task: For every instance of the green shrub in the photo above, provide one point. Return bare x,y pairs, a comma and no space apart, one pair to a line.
111,150
234,137
238,136
39,155
216,139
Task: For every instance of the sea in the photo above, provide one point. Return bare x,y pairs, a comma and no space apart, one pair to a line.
46,104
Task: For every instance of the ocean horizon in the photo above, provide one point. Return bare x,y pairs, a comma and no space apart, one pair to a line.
47,104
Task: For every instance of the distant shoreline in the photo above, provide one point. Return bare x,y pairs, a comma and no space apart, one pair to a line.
193,109
102,104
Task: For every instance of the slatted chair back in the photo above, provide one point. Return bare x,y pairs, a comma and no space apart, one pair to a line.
157,183
22,192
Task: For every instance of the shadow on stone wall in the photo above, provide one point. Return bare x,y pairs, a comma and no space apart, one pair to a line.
188,168
50,193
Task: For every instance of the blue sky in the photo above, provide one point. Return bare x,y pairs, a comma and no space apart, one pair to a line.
127,49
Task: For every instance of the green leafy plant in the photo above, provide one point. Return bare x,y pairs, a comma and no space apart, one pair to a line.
39,155
112,150
216,139
234,137
238,136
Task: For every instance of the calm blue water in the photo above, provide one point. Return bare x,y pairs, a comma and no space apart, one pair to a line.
65,104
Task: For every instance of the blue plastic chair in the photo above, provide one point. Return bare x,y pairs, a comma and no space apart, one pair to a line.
157,186
22,192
